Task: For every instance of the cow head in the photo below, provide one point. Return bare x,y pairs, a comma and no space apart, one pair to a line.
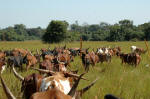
30,85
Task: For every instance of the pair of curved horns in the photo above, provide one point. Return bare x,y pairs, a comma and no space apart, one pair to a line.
52,72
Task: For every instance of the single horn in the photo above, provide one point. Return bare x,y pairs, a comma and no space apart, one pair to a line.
31,53
37,51
7,90
74,87
44,71
87,87
17,75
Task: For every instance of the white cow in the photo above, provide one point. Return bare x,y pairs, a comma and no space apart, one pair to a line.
106,51
62,83
100,51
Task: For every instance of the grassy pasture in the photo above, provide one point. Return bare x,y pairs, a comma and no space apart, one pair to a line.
124,81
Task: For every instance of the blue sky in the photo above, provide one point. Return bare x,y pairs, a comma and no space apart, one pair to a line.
34,13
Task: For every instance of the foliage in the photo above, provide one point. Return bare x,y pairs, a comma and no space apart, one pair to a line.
55,32
58,31
20,33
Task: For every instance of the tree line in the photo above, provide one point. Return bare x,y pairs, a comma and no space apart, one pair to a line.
19,32
58,31
124,30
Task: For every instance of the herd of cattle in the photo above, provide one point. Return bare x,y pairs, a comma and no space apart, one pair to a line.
54,80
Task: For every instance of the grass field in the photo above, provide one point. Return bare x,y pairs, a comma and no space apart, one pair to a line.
124,81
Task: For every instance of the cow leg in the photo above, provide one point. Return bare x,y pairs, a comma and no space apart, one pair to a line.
28,65
87,68
122,61
21,68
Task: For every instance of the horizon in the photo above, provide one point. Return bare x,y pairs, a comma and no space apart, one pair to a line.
39,13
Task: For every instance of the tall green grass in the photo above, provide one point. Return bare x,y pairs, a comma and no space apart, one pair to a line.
124,81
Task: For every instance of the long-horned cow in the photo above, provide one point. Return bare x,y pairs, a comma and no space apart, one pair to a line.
54,91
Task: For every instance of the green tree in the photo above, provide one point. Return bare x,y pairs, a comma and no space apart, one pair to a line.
55,32
115,33
146,29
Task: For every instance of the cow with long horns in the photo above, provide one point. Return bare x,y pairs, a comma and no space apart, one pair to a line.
53,92
36,83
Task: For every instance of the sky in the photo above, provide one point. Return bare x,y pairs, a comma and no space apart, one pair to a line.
34,13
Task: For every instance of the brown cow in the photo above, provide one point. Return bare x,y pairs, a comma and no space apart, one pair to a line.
2,55
23,52
104,57
38,56
130,58
31,84
30,60
116,50
54,93
49,57
89,58
66,58
93,57
140,51
46,64
51,63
